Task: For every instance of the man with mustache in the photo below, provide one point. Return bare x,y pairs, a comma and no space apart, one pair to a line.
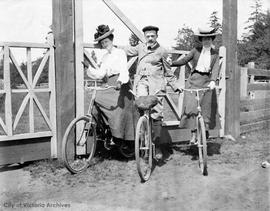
151,72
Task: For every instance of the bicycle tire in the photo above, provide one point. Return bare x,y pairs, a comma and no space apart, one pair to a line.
73,160
143,148
202,146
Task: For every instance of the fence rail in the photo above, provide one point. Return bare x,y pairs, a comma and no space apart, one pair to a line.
254,107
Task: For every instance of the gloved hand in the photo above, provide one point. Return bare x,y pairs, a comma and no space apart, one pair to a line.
212,85
118,85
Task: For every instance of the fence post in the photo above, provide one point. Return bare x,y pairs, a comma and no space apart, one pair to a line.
222,94
243,82
251,65
251,94
181,82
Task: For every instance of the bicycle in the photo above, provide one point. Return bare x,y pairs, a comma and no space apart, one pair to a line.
81,136
144,147
201,132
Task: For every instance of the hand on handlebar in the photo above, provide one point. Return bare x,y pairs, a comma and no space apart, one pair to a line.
118,85
212,85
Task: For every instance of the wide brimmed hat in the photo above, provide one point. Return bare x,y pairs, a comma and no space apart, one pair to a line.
150,28
103,31
206,32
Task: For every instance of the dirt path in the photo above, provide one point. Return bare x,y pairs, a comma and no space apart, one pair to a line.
236,181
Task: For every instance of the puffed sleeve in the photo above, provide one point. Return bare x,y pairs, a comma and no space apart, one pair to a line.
184,60
131,50
122,66
96,73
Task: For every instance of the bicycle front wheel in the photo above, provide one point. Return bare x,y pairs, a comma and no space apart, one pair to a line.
202,146
79,144
143,148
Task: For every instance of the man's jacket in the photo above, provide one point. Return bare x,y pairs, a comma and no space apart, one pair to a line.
153,65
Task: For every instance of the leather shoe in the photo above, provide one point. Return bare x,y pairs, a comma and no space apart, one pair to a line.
159,154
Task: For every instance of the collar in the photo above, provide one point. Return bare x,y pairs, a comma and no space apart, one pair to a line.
206,49
109,52
153,47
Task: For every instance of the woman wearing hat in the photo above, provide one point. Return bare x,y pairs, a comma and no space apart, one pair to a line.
204,73
116,105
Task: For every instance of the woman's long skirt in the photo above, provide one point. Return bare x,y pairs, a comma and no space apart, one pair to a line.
208,102
118,109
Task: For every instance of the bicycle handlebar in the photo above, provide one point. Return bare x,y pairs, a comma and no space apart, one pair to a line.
101,88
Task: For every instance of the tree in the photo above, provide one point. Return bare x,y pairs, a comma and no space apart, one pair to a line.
185,39
255,45
214,23
133,40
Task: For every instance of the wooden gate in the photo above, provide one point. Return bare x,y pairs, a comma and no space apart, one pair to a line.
27,115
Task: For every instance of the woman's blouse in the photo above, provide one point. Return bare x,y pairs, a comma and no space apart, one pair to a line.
112,63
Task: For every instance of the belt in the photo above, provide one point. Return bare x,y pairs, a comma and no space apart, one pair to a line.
201,73
113,75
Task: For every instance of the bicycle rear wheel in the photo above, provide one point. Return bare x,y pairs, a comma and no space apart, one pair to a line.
202,146
79,144
143,148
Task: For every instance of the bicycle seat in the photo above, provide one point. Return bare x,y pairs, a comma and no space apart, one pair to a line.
146,102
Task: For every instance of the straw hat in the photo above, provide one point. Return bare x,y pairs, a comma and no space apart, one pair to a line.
206,32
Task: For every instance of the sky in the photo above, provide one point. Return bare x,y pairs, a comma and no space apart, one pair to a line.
29,20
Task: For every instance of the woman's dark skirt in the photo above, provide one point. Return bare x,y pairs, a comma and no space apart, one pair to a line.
118,109
208,104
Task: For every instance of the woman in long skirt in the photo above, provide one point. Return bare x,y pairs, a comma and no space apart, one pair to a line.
116,105
204,73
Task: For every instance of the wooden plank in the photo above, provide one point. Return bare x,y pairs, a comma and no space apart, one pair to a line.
258,86
25,44
19,90
30,79
173,106
79,51
251,65
26,136
181,84
254,104
170,123
91,60
172,134
63,30
79,56
3,125
7,87
131,61
52,102
42,111
90,45
254,116
124,19
40,68
20,111
20,151
243,82
258,72
255,126
222,91
229,40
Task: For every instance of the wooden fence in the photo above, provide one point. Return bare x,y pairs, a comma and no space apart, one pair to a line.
255,98
25,109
